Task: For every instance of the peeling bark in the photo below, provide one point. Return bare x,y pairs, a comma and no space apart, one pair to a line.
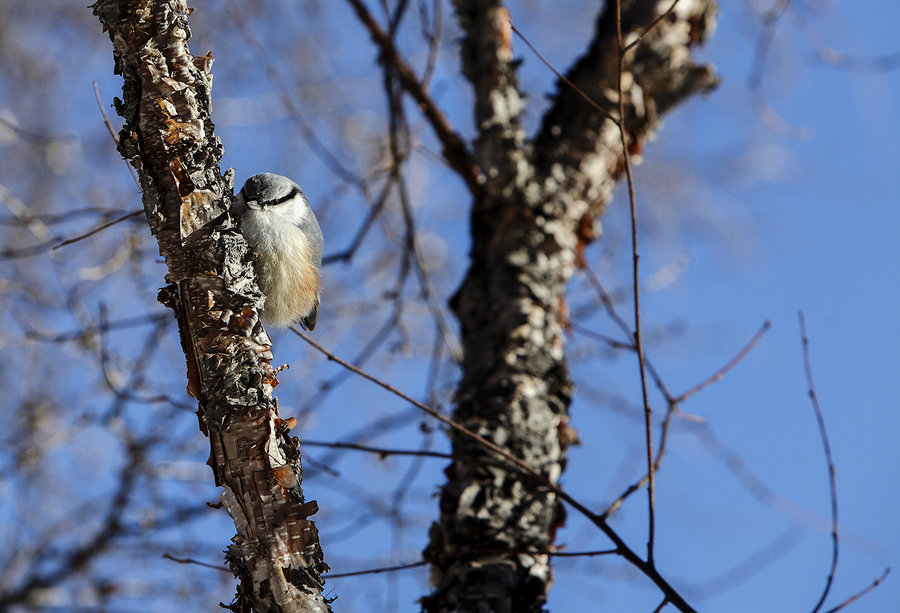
488,551
168,138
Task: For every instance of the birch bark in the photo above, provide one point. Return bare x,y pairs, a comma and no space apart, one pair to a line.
168,137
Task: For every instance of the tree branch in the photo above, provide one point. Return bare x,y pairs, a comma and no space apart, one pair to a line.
455,150
168,138
658,74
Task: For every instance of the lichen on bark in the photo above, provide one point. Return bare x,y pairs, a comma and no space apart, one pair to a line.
489,549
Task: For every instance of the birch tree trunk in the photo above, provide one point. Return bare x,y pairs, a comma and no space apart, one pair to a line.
168,138
534,211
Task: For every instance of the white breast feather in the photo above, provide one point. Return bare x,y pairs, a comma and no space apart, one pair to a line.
283,266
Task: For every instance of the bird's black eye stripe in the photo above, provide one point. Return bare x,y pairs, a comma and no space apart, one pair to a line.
290,195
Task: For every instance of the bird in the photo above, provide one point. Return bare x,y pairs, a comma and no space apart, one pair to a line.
283,232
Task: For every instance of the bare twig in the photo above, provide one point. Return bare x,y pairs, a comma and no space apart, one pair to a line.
672,401
112,132
728,366
862,592
755,79
318,147
649,28
377,339
409,565
63,217
754,563
842,61
603,338
374,211
376,571
221,569
563,78
30,136
832,484
381,451
436,414
90,233
106,120
434,39
398,130
638,340
455,150
607,302
622,549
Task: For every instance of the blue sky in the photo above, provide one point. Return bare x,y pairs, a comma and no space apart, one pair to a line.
768,225
746,224
814,229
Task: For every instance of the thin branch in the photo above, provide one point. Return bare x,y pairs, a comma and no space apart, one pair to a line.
429,294
862,592
409,565
221,569
381,451
622,549
673,408
647,31
399,130
455,151
347,254
434,39
728,366
563,78
832,483
607,302
754,80
434,413
318,147
33,137
55,243
672,401
113,134
842,61
376,571
753,564
100,228
91,331
106,120
597,336
580,554
663,440
381,425
55,218
638,340
368,350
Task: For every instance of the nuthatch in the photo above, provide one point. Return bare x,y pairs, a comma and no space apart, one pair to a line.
283,231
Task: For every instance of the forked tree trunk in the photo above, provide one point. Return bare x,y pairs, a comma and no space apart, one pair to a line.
530,219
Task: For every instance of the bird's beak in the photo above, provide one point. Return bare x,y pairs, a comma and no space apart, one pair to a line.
239,206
